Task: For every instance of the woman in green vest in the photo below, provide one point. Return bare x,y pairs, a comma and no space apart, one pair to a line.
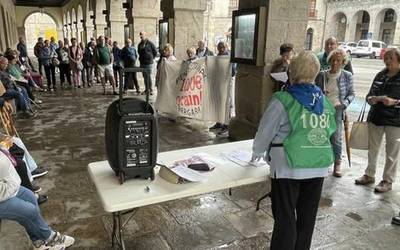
293,137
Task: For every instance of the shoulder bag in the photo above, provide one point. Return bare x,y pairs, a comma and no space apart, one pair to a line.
359,132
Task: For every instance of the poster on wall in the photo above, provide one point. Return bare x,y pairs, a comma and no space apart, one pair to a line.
196,89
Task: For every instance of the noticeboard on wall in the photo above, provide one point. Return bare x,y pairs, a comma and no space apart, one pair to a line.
248,36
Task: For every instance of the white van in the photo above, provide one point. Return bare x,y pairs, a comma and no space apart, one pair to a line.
369,48
348,47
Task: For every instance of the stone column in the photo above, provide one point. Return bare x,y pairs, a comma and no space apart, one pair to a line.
117,31
351,31
145,16
189,23
396,37
253,88
375,25
117,21
70,31
100,29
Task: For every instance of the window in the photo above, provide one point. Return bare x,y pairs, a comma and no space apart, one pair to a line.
376,45
312,12
387,36
352,44
389,16
363,44
365,17
233,4
309,39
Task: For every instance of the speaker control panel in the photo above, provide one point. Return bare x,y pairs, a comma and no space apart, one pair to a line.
137,135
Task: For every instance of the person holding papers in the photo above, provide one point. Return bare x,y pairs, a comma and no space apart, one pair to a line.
281,65
293,137
384,121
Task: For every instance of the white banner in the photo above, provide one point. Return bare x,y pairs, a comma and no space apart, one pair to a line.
197,89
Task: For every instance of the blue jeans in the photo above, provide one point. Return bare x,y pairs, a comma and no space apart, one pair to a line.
337,137
24,209
147,76
21,98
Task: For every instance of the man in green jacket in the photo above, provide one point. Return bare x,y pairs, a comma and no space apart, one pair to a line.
104,59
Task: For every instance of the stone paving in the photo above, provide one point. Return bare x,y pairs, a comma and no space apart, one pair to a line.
68,133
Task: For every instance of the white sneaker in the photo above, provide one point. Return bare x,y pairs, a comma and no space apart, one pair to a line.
41,245
60,240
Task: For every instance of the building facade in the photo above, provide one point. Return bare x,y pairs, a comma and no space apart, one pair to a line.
353,20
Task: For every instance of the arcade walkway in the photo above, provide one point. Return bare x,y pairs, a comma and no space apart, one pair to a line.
69,133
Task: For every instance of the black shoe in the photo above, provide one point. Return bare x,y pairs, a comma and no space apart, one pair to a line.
36,189
42,198
216,126
26,115
39,172
115,93
396,220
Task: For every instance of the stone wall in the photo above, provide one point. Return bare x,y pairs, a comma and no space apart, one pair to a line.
253,88
8,25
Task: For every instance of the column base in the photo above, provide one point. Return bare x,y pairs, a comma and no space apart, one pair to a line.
242,130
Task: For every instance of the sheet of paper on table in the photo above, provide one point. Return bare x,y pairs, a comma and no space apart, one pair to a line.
242,158
280,76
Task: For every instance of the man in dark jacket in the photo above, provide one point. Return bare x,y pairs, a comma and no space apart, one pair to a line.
23,52
129,56
63,58
202,50
147,52
37,51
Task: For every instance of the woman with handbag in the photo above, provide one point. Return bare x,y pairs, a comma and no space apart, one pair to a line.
384,119
75,60
337,85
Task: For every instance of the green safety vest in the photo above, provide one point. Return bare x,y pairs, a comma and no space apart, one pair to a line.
308,143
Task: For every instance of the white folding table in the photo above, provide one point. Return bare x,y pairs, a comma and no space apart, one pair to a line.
133,194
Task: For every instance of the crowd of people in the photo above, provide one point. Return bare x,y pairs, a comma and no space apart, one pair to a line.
300,134
20,197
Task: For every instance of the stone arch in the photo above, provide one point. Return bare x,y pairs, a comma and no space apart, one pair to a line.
385,25
361,25
309,39
339,26
39,25
58,24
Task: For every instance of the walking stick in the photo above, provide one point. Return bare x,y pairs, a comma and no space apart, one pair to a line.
347,136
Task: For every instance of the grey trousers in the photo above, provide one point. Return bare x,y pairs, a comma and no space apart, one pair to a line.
392,137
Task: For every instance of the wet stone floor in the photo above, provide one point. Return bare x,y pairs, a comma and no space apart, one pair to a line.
68,133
